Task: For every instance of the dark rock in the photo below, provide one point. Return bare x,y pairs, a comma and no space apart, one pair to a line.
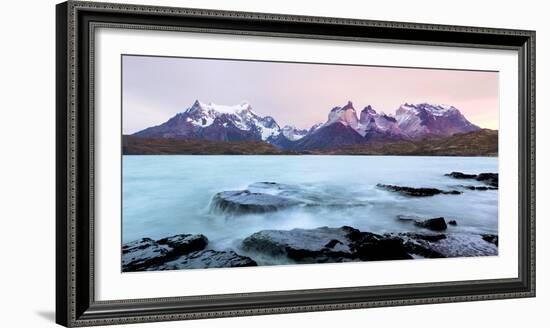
490,179
460,175
422,250
437,224
493,239
306,245
420,244
453,245
417,192
372,247
344,244
325,244
183,244
206,259
463,245
245,201
452,222
427,237
141,254
482,188
331,244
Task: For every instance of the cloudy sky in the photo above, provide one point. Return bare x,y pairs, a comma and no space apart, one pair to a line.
156,88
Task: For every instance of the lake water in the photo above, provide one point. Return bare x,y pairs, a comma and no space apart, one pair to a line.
168,195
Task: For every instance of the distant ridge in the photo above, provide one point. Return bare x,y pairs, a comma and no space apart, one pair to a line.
477,143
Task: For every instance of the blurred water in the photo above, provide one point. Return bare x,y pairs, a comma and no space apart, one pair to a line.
167,195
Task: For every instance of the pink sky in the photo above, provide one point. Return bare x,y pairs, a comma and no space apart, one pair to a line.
156,88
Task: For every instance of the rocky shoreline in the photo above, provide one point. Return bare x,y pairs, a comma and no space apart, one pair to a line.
426,237
184,251
319,245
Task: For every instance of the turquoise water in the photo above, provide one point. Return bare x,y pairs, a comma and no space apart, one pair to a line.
167,195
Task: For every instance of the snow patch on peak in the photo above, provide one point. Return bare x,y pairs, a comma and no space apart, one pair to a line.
438,109
292,133
223,109
434,109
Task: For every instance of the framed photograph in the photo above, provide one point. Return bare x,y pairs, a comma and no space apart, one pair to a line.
215,163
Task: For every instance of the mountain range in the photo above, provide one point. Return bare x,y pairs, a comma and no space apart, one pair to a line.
343,127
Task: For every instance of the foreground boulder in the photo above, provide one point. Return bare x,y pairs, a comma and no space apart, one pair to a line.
143,253
421,244
327,245
245,202
490,179
453,245
183,244
302,245
437,224
417,192
262,197
322,245
206,259
368,246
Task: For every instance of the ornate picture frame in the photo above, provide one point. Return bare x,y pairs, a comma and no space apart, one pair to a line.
77,23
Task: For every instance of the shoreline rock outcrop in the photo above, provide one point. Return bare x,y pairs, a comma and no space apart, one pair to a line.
325,245
490,179
345,244
417,192
206,259
246,202
305,246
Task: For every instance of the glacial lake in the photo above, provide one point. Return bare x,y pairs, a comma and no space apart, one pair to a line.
168,195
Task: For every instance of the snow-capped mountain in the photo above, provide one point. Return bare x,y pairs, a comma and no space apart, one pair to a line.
292,133
217,123
287,137
342,128
369,123
345,115
426,119
373,125
329,136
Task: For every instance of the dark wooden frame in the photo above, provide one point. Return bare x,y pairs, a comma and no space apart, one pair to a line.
76,22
